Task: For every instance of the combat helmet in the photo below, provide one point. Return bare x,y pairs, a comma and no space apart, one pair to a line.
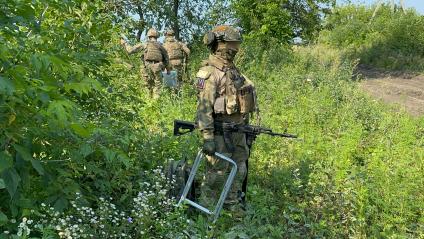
223,33
152,33
170,32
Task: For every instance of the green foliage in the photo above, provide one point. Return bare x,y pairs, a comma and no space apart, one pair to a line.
188,18
280,20
393,41
75,118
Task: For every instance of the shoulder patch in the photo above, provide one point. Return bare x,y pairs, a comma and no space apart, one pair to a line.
203,74
200,83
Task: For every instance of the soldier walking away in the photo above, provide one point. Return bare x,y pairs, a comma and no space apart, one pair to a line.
155,60
224,96
178,53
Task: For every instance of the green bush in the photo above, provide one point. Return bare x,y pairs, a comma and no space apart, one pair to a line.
390,40
74,115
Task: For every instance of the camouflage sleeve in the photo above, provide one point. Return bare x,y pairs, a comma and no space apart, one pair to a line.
133,49
207,93
165,57
185,49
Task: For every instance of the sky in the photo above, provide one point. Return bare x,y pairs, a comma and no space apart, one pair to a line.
417,4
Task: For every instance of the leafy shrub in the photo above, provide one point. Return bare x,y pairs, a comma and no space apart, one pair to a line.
74,116
390,40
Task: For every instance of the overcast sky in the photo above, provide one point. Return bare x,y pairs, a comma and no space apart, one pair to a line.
417,4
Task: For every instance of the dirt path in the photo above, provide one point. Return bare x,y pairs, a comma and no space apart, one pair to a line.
398,88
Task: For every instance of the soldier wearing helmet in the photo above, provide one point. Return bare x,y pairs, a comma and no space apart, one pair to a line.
155,60
224,96
178,53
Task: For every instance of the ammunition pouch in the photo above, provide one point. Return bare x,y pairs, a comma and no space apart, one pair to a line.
246,99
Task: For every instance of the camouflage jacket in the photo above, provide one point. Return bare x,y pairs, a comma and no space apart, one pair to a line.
142,47
176,50
222,95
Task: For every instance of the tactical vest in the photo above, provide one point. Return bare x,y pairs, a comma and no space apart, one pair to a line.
235,94
174,50
153,52
238,95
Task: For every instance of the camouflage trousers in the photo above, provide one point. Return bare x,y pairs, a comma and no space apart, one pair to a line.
178,66
217,172
153,76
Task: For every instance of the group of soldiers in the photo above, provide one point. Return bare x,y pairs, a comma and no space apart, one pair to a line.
172,55
224,96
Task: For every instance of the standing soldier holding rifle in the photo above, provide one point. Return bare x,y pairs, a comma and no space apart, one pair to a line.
225,97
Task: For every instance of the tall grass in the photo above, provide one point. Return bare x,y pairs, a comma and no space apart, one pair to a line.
393,41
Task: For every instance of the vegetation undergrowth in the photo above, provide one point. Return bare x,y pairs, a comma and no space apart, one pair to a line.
389,40
79,133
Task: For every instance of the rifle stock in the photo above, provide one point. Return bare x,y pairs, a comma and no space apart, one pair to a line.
183,127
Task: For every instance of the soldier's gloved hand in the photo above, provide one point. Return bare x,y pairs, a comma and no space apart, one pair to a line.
209,147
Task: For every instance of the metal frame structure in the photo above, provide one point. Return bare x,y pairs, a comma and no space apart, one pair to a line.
224,192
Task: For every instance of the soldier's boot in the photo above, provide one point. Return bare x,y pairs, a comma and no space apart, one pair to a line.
236,210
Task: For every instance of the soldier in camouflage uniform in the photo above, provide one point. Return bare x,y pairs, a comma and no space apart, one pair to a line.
155,60
224,95
178,53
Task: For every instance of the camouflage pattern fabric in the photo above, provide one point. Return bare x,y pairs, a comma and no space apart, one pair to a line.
218,82
154,78
178,53
151,69
217,171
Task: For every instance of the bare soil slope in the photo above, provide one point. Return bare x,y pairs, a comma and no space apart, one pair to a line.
404,90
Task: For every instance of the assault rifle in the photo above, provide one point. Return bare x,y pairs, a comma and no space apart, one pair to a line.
225,129
184,127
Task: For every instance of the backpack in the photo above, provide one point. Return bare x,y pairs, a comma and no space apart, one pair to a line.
177,173
153,52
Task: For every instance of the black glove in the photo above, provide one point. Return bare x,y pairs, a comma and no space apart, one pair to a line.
209,147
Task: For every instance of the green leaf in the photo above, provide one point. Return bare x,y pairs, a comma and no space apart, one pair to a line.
23,152
61,204
37,166
85,150
6,161
6,86
2,184
125,160
84,87
79,130
36,63
3,218
60,110
18,72
11,179
109,154
4,53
